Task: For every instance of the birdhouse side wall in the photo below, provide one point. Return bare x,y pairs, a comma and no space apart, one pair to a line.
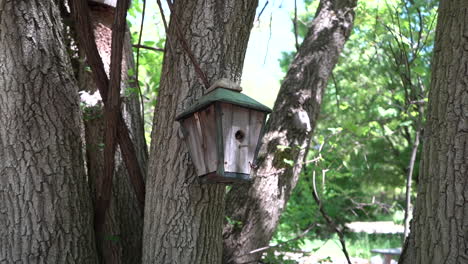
241,131
200,130
208,125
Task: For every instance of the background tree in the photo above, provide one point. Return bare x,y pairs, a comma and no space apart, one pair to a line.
438,230
254,210
362,146
45,208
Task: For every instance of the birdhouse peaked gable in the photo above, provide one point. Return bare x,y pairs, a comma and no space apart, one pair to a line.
226,96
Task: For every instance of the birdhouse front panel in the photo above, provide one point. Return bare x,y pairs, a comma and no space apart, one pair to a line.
202,139
241,132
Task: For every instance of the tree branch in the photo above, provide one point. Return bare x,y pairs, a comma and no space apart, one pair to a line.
295,25
138,46
88,44
111,114
262,249
184,44
329,220
137,66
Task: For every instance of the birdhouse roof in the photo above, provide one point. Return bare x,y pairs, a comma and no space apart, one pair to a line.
226,96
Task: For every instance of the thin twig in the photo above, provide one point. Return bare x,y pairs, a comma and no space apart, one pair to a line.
329,220
137,68
295,25
163,17
301,235
262,249
409,177
337,91
261,12
183,42
148,48
269,38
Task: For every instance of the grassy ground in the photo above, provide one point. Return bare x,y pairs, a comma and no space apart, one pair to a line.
357,244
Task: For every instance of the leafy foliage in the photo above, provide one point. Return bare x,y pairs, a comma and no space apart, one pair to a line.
149,61
372,107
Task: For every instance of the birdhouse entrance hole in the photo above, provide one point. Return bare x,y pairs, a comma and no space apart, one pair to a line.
240,135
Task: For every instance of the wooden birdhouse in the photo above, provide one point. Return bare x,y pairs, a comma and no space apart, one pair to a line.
223,129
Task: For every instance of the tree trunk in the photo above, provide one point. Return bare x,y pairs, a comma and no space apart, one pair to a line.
258,207
122,237
439,226
183,219
45,208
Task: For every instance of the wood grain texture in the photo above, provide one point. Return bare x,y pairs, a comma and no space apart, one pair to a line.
183,219
45,205
208,123
194,143
247,123
439,229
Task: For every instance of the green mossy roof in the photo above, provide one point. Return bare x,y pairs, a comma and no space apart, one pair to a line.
226,96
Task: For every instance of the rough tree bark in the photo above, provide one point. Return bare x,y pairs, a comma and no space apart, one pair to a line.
183,219
258,207
439,226
45,208
122,237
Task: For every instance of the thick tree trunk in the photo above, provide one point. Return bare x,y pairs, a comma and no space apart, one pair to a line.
439,226
122,237
258,207
183,219
45,208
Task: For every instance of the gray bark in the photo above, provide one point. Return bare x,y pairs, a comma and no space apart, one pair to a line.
122,237
258,207
409,180
183,219
439,229
45,204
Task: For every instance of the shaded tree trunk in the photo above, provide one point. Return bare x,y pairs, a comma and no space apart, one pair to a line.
122,237
439,226
45,208
183,219
258,207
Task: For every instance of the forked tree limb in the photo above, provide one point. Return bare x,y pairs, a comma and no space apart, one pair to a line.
111,113
88,44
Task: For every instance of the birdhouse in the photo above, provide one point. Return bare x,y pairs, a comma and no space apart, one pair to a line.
223,130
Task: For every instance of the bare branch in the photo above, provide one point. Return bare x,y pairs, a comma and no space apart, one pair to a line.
263,9
183,43
280,244
329,220
295,25
147,47
137,67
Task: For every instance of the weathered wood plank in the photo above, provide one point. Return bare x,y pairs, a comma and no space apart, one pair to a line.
256,121
227,131
208,124
236,149
194,141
